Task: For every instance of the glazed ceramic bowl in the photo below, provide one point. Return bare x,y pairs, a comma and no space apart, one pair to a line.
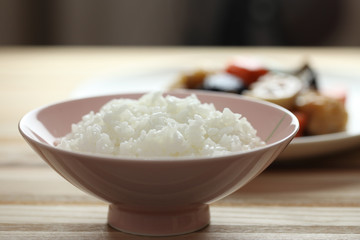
166,196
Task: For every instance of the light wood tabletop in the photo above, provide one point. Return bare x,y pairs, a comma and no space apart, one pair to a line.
310,198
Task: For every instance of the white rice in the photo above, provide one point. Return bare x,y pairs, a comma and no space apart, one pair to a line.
158,126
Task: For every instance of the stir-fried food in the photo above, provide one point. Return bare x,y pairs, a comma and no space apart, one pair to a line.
298,91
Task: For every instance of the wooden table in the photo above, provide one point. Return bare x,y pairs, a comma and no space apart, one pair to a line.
307,199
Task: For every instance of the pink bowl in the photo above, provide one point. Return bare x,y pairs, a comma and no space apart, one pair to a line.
158,197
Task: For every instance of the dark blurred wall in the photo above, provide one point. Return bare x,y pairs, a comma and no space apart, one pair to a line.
180,22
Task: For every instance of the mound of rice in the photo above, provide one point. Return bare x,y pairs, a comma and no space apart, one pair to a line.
158,126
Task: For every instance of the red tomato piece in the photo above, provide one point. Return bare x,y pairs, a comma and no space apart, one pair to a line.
302,118
248,69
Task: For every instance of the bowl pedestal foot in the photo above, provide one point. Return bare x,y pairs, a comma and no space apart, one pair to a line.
159,223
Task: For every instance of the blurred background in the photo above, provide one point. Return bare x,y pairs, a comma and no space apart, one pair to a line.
180,22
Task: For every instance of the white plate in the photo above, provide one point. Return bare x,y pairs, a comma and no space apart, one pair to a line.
302,147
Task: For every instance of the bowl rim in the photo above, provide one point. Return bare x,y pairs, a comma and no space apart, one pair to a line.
108,157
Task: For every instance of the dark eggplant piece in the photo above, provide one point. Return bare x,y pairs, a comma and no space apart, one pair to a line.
308,77
223,82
